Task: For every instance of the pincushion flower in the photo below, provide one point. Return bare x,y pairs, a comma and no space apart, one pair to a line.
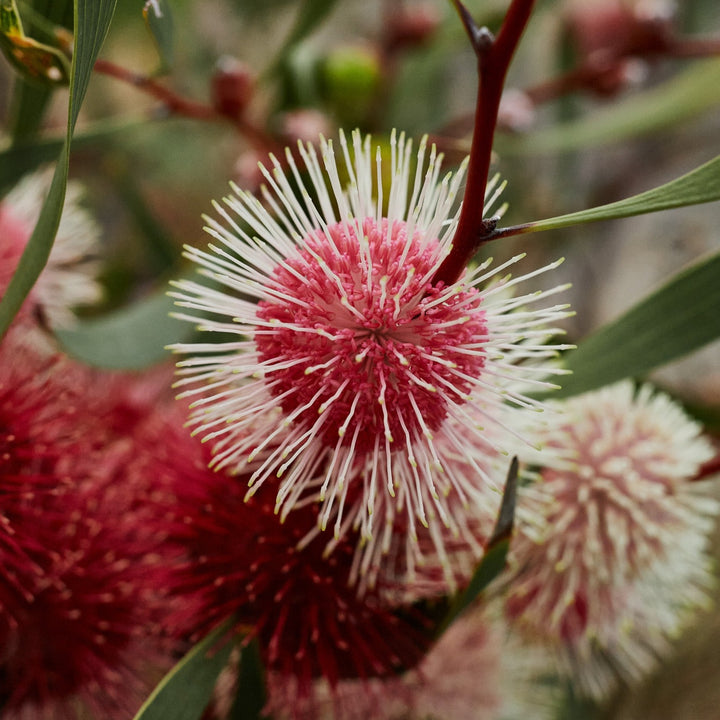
274,578
69,278
473,672
619,555
78,603
414,561
348,355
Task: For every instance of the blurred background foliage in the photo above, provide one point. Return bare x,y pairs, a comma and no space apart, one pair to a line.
266,72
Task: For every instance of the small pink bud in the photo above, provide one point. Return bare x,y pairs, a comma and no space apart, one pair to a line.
304,124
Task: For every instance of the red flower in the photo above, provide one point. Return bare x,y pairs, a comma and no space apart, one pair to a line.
277,579
77,596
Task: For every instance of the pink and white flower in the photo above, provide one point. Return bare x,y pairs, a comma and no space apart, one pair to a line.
69,278
350,361
617,559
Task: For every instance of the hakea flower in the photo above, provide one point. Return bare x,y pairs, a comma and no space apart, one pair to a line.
473,672
69,278
349,354
412,561
275,579
617,558
77,598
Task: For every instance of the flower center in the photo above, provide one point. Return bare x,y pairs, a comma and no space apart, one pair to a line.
358,343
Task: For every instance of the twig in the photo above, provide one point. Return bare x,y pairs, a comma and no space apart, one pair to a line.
175,104
493,58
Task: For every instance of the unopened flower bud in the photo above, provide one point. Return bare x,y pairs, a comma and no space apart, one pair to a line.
350,79
517,111
232,87
304,124
411,27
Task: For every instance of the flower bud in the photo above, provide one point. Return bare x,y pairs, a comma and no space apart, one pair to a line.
412,27
350,79
232,87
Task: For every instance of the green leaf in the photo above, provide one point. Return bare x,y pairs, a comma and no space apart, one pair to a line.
128,339
687,95
162,250
495,557
30,100
701,185
91,22
680,317
309,17
707,415
10,23
251,695
35,61
573,707
159,22
16,159
184,693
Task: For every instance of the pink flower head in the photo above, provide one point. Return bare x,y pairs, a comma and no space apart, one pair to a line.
471,673
276,579
621,529
77,599
349,355
414,560
68,280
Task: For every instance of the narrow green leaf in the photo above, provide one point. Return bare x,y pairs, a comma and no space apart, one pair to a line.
495,557
129,339
27,109
251,694
701,185
573,707
309,17
91,23
16,159
184,693
688,95
162,250
30,100
10,23
680,317
56,12
254,10
159,22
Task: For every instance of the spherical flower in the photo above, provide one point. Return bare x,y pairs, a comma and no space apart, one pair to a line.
618,555
413,561
276,579
77,600
69,278
473,672
349,355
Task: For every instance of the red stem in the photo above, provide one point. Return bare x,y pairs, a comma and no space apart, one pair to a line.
178,105
494,56
173,102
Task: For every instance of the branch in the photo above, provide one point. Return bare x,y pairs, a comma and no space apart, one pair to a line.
493,57
175,104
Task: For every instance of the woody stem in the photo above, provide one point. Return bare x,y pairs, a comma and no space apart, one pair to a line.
493,60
